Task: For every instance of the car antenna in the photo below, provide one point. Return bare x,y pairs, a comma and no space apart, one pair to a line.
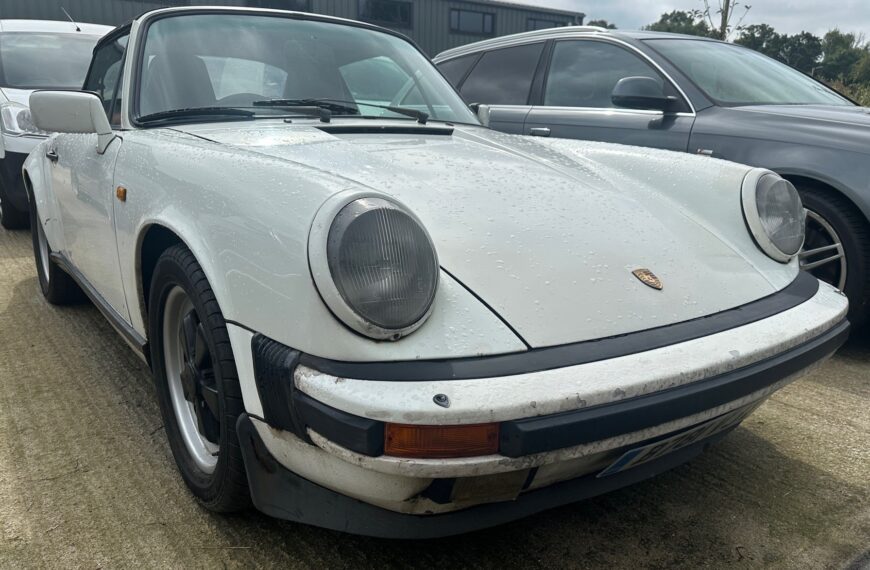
78,29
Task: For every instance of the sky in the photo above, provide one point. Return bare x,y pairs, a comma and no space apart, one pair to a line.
787,16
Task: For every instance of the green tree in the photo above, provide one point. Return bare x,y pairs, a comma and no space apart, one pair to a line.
861,71
842,52
601,24
762,38
802,51
682,22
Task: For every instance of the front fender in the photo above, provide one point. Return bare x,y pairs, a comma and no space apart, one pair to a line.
40,195
246,218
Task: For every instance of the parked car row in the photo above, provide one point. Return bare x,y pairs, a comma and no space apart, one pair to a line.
367,311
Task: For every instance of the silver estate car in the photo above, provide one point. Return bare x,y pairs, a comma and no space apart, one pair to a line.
693,95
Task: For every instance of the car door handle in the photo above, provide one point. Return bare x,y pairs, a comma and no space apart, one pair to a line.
51,154
539,132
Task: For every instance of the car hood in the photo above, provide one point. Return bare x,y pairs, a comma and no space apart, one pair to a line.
21,96
545,237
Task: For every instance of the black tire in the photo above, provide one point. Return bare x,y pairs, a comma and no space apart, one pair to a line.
56,285
225,489
854,233
11,217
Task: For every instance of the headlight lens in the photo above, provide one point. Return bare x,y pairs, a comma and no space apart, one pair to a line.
15,120
775,216
383,264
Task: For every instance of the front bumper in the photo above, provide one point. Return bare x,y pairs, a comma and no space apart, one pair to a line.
278,492
559,427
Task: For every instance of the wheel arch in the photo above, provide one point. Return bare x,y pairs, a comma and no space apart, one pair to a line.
828,186
153,240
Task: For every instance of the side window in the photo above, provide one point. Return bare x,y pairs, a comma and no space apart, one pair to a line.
454,70
504,76
584,73
104,77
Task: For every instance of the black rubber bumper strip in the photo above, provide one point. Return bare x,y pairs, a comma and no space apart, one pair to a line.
803,288
278,492
534,435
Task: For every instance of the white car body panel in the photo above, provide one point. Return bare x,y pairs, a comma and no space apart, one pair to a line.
575,387
551,247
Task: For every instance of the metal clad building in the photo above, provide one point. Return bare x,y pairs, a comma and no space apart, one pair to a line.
435,25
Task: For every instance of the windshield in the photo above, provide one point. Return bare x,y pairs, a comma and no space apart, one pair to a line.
266,63
734,75
42,60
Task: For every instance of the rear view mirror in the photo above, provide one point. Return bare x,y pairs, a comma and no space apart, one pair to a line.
641,93
71,112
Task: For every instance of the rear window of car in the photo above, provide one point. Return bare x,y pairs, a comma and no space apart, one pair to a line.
504,76
37,60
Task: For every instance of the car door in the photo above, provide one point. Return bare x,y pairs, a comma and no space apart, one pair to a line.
575,101
502,79
82,182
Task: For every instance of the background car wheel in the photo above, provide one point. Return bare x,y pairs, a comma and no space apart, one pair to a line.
837,248
11,217
57,287
197,383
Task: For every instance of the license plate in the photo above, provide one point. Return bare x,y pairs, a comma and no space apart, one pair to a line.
643,454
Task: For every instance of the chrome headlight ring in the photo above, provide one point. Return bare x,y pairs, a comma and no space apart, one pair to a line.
774,214
373,263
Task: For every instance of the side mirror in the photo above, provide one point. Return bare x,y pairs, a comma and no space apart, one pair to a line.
71,112
482,112
641,93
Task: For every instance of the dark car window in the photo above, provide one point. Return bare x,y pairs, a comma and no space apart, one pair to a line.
103,77
584,73
504,76
734,75
455,69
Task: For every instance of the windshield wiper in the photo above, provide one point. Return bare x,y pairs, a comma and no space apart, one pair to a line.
194,112
342,106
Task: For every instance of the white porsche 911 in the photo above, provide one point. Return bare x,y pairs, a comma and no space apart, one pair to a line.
365,311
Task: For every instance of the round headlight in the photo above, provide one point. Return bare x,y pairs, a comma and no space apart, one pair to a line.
775,216
382,265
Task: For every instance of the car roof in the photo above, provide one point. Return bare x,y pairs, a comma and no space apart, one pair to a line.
58,26
560,32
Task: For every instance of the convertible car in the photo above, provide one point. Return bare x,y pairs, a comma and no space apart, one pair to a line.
365,311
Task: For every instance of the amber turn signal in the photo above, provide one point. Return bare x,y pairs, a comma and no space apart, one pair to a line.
440,442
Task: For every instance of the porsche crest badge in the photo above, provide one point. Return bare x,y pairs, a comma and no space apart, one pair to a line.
648,278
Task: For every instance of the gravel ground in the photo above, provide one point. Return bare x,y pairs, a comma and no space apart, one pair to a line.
87,479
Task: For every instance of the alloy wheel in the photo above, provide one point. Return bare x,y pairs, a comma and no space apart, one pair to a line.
192,381
823,255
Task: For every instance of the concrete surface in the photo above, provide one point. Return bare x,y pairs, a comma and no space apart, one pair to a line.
87,479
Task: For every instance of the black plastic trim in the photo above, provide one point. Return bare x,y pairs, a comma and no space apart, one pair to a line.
136,341
287,408
803,288
534,435
355,433
278,492
385,129
12,181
